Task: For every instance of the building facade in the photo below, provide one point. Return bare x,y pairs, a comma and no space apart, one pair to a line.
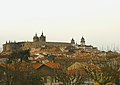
41,41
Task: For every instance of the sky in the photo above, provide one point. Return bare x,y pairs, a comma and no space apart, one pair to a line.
61,20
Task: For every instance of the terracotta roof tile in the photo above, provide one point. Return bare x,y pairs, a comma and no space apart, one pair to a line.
37,65
53,65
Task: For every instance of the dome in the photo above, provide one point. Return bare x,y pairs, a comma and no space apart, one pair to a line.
36,38
82,39
72,41
42,38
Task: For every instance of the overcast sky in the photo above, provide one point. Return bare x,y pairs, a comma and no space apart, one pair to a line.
60,20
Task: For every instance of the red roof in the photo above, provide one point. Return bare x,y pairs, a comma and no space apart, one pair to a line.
53,65
48,64
37,65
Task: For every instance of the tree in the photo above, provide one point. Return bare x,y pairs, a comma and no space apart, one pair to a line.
100,77
112,69
20,74
21,55
69,79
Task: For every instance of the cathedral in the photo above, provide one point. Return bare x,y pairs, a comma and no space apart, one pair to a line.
41,41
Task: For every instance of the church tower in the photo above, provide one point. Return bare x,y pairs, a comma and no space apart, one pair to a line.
35,38
72,41
82,41
42,38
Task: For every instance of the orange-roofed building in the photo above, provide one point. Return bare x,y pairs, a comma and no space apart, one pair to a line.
50,65
48,72
37,65
54,65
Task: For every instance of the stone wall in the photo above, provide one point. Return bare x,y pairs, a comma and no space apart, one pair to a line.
28,45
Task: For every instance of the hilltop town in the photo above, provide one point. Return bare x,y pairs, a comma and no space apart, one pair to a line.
41,42
58,63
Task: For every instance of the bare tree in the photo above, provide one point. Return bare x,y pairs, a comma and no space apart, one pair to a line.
112,69
69,79
99,77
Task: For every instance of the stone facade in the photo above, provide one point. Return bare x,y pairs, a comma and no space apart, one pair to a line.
41,41
37,42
